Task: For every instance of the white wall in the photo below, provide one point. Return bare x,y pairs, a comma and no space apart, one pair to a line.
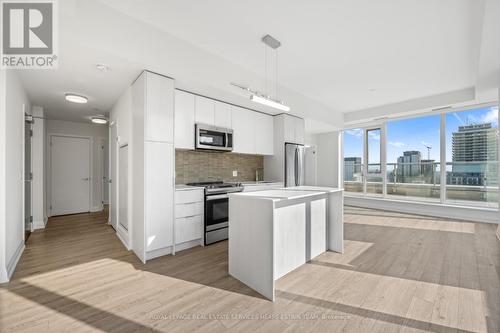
12,171
3,125
328,157
96,132
38,163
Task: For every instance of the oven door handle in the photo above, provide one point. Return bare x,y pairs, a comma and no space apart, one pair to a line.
216,197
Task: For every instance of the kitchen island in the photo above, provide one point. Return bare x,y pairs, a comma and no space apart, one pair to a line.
275,231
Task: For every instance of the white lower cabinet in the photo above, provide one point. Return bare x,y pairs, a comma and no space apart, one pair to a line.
188,228
159,195
189,216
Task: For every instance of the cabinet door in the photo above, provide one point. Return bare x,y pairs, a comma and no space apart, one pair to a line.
204,110
243,130
299,130
289,128
184,120
223,115
264,139
188,229
159,115
159,195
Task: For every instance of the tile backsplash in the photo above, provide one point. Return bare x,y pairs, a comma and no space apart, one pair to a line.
200,166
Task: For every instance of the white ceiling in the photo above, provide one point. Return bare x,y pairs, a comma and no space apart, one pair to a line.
337,56
335,51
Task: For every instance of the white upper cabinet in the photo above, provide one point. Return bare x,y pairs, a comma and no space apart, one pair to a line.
223,116
264,138
299,130
293,129
204,110
159,113
184,120
252,131
243,130
289,128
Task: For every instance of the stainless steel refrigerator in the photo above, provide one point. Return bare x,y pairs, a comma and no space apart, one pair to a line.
294,165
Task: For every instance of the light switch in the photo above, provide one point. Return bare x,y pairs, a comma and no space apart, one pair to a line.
235,173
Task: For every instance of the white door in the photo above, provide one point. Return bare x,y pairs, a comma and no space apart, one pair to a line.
113,181
105,171
70,164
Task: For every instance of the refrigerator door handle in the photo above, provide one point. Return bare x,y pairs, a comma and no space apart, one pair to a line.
296,162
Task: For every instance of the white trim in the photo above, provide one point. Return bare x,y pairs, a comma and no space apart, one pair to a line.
11,265
442,158
169,249
467,213
49,169
39,224
123,237
95,209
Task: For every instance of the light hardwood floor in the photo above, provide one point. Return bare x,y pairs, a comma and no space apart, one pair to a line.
399,273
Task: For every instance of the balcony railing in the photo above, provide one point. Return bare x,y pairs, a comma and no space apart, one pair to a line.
466,182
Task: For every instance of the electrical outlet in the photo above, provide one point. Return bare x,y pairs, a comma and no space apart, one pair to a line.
235,173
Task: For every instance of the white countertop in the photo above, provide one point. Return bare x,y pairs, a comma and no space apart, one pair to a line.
280,194
252,183
315,188
182,187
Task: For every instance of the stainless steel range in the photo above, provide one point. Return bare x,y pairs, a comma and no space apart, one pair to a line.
217,209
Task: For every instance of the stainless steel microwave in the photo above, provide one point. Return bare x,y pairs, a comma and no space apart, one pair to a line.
212,137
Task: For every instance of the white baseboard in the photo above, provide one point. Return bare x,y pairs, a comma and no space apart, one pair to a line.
158,253
123,238
168,250
40,224
11,265
475,214
96,209
188,245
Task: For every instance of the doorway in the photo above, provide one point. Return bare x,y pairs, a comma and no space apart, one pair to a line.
28,178
70,159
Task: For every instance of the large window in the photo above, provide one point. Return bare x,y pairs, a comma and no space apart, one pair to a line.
414,159
413,154
374,181
353,160
472,156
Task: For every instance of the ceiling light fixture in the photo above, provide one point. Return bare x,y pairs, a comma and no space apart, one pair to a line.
99,120
270,102
102,67
265,98
76,98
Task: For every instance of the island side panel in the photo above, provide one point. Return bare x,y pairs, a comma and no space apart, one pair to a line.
290,238
251,243
317,220
336,222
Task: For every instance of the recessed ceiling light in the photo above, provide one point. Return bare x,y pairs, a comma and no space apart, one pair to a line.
76,98
102,67
99,120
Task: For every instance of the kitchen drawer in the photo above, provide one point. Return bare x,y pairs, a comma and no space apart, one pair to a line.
189,196
188,228
189,209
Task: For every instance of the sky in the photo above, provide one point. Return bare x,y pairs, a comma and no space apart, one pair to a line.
416,134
